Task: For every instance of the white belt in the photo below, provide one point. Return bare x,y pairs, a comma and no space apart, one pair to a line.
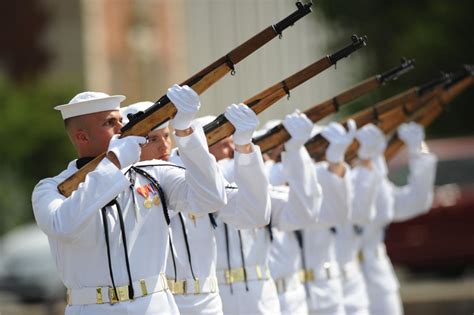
101,295
350,269
253,273
193,286
328,271
289,283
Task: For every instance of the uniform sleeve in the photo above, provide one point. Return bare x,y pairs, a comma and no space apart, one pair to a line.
203,188
248,205
304,196
364,184
416,197
64,218
384,203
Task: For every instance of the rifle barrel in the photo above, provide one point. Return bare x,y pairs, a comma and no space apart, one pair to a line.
141,123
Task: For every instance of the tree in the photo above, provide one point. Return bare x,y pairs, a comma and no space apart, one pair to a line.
436,33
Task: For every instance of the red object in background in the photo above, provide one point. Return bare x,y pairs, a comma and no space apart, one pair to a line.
443,239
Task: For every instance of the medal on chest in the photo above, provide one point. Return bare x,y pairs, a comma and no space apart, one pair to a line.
150,194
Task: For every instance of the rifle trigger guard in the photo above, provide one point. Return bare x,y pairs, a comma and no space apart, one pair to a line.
230,64
286,89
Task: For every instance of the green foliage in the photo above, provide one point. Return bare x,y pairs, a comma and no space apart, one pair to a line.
34,144
437,33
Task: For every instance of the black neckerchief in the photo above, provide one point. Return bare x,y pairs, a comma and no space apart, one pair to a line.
80,162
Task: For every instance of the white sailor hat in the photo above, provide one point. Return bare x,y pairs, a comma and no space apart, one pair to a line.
267,126
88,103
134,108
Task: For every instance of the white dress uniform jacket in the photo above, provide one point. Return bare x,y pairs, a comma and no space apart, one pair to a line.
248,206
75,228
394,204
291,208
325,295
348,237
286,261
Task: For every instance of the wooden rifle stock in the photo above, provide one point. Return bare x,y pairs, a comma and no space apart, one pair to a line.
406,102
141,123
426,115
278,134
221,128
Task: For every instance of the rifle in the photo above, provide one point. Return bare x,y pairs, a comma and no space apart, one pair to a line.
434,108
407,101
141,123
279,134
221,128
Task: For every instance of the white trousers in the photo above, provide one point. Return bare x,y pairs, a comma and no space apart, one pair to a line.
157,303
261,298
356,301
293,302
325,297
199,304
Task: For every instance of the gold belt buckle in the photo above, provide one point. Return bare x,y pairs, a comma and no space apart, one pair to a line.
179,287
122,294
197,287
360,256
229,278
143,287
238,274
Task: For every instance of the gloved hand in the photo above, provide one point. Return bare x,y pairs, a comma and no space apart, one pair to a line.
245,122
412,134
299,127
187,104
372,142
127,149
339,140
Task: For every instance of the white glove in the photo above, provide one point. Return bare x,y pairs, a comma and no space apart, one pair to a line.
339,140
412,134
299,127
127,149
187,104
372,142
245,122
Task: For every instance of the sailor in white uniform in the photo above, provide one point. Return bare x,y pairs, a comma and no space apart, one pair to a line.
110,237
191,265
323,275
395,204
287,259
365,179
245,283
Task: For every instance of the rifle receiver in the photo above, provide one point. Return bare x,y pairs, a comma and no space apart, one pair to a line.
393,74
357,42
467,70
136,118
302,10
427,87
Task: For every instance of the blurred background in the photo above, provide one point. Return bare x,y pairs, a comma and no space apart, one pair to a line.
52,49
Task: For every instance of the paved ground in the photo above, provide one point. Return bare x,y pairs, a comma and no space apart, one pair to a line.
425,294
